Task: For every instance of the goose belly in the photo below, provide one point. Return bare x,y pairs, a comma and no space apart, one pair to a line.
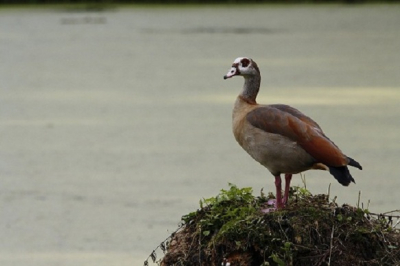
277,153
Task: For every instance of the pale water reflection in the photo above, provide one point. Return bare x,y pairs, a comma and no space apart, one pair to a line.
114,124
315,96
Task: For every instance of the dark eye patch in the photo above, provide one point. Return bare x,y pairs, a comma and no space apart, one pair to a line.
245,62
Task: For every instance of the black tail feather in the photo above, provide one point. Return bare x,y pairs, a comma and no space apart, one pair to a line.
342,175
354,163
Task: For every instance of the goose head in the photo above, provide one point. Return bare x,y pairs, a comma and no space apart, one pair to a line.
243,66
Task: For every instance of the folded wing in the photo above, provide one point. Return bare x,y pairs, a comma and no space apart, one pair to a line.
291,123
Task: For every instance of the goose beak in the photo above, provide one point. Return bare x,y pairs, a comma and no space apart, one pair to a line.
231,73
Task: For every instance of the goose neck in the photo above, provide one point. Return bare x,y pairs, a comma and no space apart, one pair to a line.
251,87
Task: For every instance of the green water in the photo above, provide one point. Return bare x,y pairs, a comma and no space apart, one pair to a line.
114,124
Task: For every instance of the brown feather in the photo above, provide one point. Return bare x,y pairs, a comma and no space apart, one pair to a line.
291,123
296,113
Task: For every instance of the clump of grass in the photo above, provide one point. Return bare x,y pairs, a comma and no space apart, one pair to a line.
311,230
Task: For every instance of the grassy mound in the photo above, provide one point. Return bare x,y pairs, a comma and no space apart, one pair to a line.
311,230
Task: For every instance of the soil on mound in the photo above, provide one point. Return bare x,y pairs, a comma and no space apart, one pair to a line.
231,229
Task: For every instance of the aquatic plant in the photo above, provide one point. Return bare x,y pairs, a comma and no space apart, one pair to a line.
232,229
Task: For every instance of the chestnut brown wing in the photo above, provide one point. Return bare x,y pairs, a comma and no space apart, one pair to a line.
291,123
293,111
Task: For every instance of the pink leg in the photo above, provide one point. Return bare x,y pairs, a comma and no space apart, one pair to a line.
278,185
288,178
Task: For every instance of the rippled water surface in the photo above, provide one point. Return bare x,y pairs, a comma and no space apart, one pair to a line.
114,124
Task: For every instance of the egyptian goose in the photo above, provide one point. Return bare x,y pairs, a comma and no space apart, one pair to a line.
280,137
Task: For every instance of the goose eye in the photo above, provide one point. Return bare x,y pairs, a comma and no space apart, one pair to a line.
245,62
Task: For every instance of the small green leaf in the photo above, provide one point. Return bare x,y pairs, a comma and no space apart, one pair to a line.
278,260
206,233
